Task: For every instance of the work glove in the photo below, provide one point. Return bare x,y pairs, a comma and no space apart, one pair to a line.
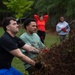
39,65
44,51
64,29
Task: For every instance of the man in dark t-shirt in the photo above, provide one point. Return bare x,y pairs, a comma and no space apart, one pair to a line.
9,47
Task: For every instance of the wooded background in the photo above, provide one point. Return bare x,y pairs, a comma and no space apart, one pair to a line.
27,8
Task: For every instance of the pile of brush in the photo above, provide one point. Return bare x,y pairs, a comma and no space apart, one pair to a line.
59,59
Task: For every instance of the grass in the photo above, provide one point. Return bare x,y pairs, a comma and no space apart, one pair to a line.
49,41
1,31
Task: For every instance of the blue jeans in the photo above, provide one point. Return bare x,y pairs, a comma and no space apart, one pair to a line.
10,71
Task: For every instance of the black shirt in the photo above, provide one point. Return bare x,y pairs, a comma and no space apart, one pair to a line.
7,44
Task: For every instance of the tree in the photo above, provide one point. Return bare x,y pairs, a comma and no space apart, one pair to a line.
56,8
71,8
4,12
19,6
60,7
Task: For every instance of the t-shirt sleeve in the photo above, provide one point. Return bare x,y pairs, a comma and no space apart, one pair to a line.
8,44
20,42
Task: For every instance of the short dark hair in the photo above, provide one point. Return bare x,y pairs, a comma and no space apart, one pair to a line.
27,22
6,22
60,17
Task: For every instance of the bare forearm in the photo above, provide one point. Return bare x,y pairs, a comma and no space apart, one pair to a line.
26,59
30,49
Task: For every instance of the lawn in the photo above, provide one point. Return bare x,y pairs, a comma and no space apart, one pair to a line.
1,31
49,41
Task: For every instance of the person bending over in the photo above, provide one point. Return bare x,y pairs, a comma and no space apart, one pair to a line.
9,48
32,39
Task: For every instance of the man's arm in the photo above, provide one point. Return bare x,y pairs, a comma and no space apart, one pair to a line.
68,28
30,48
58,29
26,59
22,57
27,47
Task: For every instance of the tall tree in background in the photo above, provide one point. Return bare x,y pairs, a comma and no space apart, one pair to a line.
4,12
19,6
56,8
60,7
71,8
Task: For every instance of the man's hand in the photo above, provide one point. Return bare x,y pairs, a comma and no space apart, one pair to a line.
39,65
35,51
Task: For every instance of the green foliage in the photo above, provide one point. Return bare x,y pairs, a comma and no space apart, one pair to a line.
56,7
1,31
19,6
29,7
41,6
71,8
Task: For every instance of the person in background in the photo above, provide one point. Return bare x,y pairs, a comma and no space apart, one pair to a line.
62,28
9,47
32,39
41,22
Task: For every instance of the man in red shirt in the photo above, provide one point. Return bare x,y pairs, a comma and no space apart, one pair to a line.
41,22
